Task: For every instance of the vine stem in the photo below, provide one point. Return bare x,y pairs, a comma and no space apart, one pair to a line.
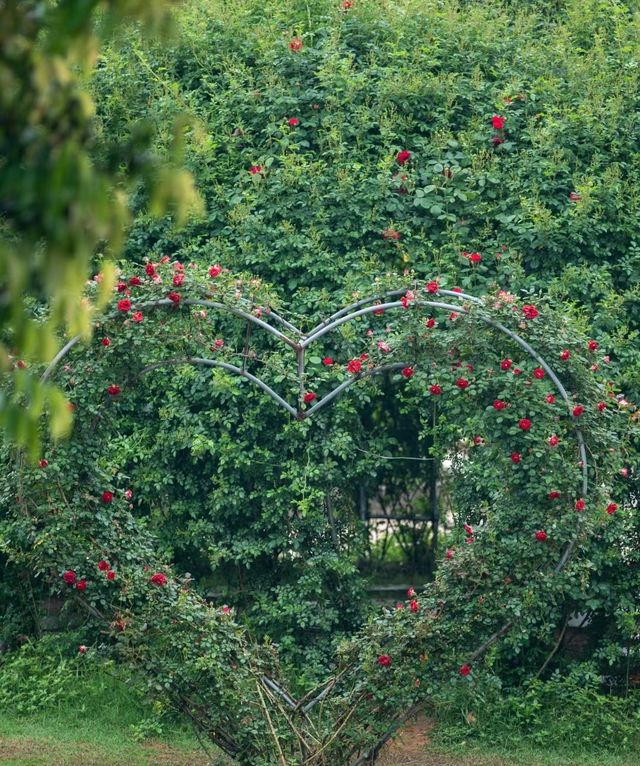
283,760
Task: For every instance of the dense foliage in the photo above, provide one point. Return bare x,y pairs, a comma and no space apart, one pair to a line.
522,508
343,150
334,143
296,153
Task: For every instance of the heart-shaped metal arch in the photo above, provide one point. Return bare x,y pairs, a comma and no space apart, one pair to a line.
348,313
300,343
304,340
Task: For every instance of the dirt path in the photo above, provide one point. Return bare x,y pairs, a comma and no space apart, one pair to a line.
409,749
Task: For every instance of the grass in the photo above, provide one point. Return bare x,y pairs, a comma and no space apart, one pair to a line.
74,738
46,743
90,718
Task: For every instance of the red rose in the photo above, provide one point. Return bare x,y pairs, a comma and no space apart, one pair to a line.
411,592
465,670
601,406
475,258
354,366
107,496
113,390
407,372
592,345
414,606
293,122
82,649
384,660
295,45
538,373
516,457
174,297
449,554
525,424
327,361
111,575
150,269
550,399
554,441
178,279
309,397
403,157
81,585
612,508
499,404
505,364
103,566
121,287
124,305
564,355
541,536
431,322
432,287
43,463
256,169
478,440
135,282
530,312
578,410
580,505
435,389
391,234
215,271
624,472
137,316
346,4
456,289
497,122
69,577
462,383
105,342
159,579
553,495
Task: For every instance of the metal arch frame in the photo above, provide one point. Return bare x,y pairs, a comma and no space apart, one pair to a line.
303,341
344,315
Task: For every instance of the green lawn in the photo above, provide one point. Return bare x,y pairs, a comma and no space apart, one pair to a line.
59,741
83,740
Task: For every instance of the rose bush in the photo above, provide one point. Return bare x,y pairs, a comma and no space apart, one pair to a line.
75,521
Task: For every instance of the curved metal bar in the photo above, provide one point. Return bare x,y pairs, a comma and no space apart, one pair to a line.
390,294
284,322
237,312
369,310
345,384
60,355
232,368
188,302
